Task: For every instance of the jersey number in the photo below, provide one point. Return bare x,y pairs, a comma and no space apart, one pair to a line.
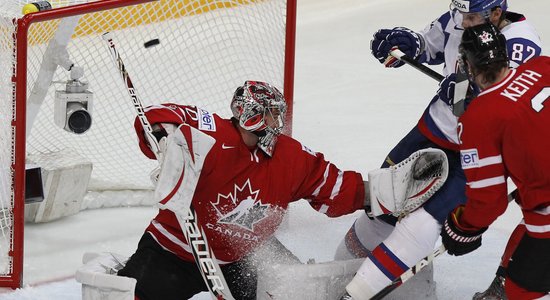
518,50
538,100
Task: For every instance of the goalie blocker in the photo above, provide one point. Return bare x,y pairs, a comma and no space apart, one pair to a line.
404,187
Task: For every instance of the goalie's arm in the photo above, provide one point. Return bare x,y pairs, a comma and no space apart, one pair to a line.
164,119
327,188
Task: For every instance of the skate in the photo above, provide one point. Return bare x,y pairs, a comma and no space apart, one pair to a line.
494,292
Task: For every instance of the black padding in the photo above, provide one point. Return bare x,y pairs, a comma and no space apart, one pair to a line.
530,264
34,191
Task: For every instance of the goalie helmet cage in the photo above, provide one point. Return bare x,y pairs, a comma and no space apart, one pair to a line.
207,48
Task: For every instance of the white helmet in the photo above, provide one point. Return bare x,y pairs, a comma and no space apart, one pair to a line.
479,6
483,7
252,103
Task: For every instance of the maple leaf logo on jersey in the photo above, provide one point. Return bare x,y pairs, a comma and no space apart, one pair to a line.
486,37
249,209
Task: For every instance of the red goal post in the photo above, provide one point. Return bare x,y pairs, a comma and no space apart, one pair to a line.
207,48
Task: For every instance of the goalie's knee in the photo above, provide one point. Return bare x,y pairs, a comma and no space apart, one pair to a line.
100,281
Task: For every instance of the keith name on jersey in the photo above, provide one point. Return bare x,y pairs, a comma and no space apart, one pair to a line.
521,85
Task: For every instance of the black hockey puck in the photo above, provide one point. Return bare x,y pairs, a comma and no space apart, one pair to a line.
151,43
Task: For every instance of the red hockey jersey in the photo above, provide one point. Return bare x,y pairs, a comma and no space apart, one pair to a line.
242,194
505,132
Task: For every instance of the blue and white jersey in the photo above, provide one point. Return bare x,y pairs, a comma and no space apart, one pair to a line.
442,38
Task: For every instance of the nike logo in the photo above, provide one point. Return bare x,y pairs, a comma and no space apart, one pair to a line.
227,147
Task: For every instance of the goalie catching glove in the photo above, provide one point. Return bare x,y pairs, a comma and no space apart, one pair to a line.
404,187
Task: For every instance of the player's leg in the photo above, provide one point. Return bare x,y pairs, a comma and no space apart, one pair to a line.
413,238
367,233
514,291
529,269
363,236
242,278
160,274
511,246
391,264
495,291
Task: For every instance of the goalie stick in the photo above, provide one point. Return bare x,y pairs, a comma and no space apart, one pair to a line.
194,233
138,106
420,265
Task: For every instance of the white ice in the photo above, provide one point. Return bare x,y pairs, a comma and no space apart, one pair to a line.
347,106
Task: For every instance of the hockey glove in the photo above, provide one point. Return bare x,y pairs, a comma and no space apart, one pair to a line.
408,41
456,240
160,132
446,89
457,92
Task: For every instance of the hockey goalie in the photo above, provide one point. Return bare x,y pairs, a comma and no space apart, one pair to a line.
222,192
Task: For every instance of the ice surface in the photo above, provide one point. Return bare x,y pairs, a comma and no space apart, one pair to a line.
347,106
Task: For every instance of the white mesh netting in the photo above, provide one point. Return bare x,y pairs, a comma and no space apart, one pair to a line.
207,48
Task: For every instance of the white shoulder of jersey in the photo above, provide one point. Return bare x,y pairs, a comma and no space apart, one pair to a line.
524,30
442,38
523,42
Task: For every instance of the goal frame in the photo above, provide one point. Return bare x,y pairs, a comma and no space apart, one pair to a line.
19,98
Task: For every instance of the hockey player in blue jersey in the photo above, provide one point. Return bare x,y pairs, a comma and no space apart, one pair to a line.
392,247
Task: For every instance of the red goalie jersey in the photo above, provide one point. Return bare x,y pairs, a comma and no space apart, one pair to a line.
242,194
505,132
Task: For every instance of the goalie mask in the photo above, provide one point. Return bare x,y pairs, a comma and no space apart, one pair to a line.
260,108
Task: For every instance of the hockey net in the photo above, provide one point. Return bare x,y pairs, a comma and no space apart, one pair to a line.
207,48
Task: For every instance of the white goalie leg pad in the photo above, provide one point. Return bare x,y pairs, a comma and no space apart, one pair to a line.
99,280
404,187
322,281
